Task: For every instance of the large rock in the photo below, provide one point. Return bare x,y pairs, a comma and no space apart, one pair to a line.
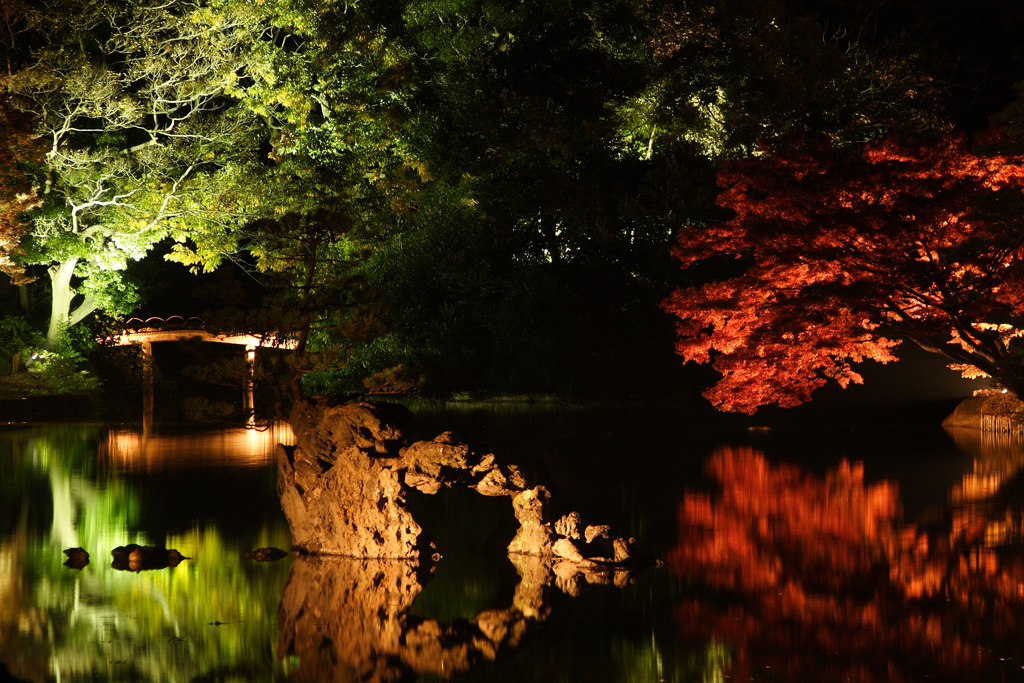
340,485
967,413
343,489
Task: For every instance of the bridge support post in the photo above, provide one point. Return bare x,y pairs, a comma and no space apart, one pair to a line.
248,398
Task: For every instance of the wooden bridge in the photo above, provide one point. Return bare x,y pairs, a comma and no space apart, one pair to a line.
175,328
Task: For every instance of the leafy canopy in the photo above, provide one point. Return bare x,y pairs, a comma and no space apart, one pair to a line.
837,256
133,104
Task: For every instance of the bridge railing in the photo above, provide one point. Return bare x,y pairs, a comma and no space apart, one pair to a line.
173,321
178,328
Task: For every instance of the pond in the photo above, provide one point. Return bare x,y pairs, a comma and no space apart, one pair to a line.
780,563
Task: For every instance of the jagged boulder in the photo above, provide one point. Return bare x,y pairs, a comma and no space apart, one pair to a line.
340,485
343,489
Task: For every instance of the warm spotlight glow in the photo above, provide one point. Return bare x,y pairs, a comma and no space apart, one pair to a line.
156,335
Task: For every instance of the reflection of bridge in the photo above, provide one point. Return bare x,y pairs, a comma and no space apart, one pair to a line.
132,451
175,328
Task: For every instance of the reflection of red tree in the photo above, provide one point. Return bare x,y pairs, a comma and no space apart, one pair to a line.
828,583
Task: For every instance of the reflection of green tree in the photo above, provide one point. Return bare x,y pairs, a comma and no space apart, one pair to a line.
645,660
60,458
86,511
211,617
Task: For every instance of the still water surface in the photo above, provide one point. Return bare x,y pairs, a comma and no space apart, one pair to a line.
781,563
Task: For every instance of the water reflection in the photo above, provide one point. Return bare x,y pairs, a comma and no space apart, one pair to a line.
992,451
349,620
213,614
134,450
817,579
78,499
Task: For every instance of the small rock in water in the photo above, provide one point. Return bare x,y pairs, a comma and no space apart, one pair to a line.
266,554
77,558
134,557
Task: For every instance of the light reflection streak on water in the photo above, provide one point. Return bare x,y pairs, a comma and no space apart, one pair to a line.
133,451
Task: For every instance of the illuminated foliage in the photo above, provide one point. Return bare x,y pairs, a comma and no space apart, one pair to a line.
830,258
728,74
132,105
330,84
17,194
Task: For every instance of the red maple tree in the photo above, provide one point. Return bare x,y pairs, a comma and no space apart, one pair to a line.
840,256
17,195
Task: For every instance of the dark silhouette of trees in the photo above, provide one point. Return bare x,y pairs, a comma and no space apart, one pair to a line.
518,171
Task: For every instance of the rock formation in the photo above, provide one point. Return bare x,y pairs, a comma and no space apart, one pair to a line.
967,413
343,490
78,558
135,558
341,486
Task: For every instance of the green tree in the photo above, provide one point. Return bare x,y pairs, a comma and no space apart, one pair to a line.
314,303
134,105
731,75
532,257
333,87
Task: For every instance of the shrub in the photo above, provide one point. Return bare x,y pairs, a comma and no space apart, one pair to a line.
60,375
16,336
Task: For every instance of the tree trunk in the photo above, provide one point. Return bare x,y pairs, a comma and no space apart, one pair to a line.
62,296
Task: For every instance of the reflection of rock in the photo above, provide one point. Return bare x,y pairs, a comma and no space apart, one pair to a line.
991,450
347,620
136,558
77,558
343,489
266,554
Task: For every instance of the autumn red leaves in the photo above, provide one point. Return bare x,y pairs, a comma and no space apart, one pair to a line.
17,195
833,257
